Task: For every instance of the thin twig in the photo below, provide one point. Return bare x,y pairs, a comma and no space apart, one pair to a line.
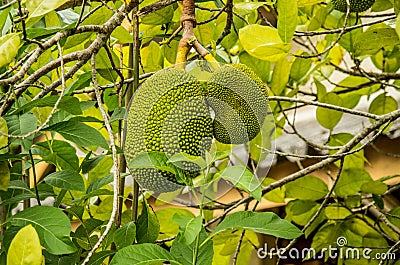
115,164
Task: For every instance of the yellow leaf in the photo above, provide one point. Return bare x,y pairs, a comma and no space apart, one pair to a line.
25,248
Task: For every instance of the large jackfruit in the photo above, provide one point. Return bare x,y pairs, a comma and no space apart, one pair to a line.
238,98
356,6
168,114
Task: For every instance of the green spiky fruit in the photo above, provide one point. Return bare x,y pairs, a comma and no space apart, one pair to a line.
168,114
356,6
239,100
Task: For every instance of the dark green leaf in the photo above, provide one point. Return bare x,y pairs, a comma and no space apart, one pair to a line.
68,103
301,211
66,179
189,227
99,257
307,188
125,235
118,114
99,183
90,163
147,225
21,125
52,226
59,153
142,254
79,133
185,252
265,223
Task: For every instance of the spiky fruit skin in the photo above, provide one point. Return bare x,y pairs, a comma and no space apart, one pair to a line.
356,6
239,100
168,114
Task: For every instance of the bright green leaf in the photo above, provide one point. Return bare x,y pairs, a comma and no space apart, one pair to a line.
280,77
374,187
350,182
9,45
4,130
287,19
334,212
4,175
327,117
383,104
39,8
25,248
263,42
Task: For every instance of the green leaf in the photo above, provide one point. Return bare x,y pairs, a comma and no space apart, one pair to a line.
275,195
68,103
66,179
264,223
350,161
4,130
142,254
334,212
178,158
300,68
79,133
374,187
350,182
246,8
4,175
327,117
168,227
9,45
147,228
300,211
280,77
318,20
118,114
185,252
22,125
307,188
287,19
25,248
38,8
98,257
99,183
189,227
242,178
377,38
125,235
59,153
263,42
383,104
52,226
158,17
157,160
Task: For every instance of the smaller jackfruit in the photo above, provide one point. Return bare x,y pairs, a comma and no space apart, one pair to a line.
238,98
356,6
